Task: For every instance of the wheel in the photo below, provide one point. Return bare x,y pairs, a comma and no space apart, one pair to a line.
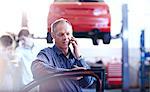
95,40
94,36
106,38
49,38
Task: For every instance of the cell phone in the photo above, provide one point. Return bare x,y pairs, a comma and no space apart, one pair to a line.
70,45
70,40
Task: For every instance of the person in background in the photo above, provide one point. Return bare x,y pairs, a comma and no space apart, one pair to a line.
7,58
60,57
25,56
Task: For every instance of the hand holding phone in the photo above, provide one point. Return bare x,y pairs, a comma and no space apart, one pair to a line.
75,46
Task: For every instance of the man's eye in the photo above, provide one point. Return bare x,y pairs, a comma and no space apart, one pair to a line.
68,33
60,34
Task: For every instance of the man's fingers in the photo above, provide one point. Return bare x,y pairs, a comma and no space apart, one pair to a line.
73,40
79,68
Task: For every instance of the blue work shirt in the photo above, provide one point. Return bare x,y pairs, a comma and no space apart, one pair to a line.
50,60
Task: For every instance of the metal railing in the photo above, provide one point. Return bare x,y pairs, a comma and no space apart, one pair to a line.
64,74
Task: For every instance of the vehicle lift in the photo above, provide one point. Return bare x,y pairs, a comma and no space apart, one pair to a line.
124,38
143,70
125,62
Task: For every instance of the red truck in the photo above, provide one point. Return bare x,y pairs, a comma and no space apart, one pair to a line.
90,18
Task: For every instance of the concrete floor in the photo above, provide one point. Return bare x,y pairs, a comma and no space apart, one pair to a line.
93,90
114,90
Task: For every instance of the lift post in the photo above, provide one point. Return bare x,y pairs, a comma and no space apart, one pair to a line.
124,37
144,55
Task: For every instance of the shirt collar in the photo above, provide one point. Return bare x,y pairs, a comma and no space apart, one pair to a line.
59,52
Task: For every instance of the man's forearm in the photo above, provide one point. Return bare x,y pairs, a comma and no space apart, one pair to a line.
82,63
40,69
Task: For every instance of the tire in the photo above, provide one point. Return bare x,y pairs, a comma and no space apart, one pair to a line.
106,38
94,36
95,40
49,38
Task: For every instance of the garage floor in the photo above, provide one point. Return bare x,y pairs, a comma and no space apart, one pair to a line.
114,90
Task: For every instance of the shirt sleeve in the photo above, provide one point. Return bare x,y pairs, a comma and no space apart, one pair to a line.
44,65
87,80
81,63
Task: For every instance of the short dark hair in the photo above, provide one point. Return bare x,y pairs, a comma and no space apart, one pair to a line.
23,32
6,40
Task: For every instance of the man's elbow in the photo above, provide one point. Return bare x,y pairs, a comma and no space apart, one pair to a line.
37,69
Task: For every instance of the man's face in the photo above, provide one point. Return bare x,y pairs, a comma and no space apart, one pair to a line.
62,35
28,42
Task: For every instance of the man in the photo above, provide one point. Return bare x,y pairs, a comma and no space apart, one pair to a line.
7,57
25,56
61,58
